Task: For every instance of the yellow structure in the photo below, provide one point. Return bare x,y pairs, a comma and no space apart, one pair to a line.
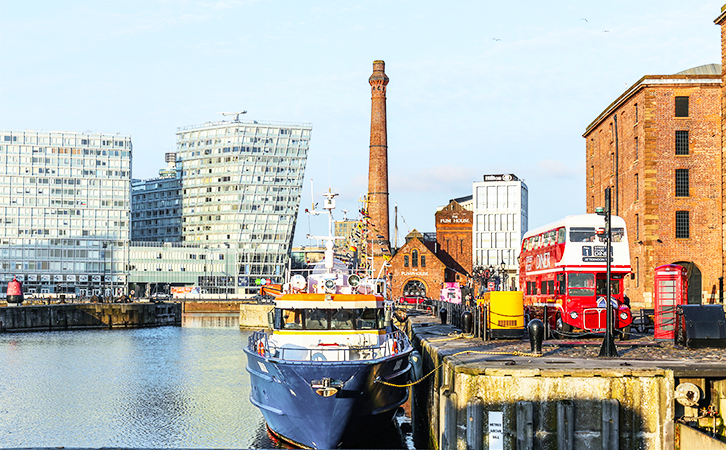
505,313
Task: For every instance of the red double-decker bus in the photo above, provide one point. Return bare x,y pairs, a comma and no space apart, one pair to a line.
562,272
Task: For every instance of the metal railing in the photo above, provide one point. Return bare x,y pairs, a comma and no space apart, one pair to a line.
395,343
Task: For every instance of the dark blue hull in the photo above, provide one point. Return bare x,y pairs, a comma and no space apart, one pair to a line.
297,413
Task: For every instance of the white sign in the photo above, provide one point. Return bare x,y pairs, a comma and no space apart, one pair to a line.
496,430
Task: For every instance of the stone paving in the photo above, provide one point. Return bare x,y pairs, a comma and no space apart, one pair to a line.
641,347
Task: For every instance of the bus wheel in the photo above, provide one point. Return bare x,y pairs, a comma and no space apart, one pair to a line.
564,330
625,333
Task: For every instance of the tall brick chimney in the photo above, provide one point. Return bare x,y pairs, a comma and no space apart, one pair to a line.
378,237
721,21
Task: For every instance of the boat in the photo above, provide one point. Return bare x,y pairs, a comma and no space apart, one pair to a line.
333,368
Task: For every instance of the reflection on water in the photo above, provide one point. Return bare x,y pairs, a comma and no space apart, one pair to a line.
145,388
203,320
166,387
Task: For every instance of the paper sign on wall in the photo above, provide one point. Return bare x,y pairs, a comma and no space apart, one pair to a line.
496,430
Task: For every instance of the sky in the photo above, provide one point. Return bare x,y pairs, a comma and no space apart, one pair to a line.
476,87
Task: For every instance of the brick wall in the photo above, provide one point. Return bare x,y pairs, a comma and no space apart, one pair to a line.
378,165
646,165
454,234
431,275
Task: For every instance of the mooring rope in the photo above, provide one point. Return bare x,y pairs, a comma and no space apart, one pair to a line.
481,352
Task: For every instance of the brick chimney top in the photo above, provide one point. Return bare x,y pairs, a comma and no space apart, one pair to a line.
379,74
720,19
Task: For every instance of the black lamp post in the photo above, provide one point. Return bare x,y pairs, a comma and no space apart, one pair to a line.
608,348
502,269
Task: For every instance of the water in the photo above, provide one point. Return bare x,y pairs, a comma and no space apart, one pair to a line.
166,387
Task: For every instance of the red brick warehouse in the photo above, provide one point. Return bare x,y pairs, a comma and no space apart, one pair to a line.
658,146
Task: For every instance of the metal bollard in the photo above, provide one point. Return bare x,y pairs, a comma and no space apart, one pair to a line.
536,332
443,313
467,322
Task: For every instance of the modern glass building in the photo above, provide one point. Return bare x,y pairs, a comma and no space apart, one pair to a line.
221,216
156,206
241,187
500,206
65,210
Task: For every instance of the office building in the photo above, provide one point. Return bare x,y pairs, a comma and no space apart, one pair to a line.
226,222
65,209
156,206
500,207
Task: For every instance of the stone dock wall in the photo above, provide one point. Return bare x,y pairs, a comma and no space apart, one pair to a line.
81,316
484,401
251,314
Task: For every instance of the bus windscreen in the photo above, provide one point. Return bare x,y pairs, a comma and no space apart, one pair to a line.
589,234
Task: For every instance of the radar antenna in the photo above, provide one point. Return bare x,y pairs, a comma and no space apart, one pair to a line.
235,114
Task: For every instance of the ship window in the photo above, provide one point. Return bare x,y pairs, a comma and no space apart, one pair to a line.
342,319
316,319
293,319
370,319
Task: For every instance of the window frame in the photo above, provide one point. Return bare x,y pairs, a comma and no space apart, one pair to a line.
682,188
681,143
681,105
682,225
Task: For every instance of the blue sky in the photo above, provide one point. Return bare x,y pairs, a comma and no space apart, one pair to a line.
477,87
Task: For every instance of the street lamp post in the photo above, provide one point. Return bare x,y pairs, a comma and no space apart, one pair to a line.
502,268
608,348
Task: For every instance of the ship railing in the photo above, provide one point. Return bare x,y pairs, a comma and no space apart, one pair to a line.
394,343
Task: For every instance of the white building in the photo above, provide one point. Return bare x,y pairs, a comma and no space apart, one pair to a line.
241,187
65,209
500,208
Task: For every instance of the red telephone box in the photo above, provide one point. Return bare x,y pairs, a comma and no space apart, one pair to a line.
671,290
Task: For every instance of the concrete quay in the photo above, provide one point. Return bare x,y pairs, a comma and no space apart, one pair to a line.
82,316
251,313
496,395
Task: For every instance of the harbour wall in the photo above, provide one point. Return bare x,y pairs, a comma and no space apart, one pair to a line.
487,402
81,316
254,316
211,306
251,314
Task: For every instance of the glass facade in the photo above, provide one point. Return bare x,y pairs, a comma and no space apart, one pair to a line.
156,210
220,217
241,187
500,205
65,207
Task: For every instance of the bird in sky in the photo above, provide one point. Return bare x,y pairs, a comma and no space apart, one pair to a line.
495,39
584,19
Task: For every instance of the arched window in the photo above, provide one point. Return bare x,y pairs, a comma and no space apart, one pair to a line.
414,258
